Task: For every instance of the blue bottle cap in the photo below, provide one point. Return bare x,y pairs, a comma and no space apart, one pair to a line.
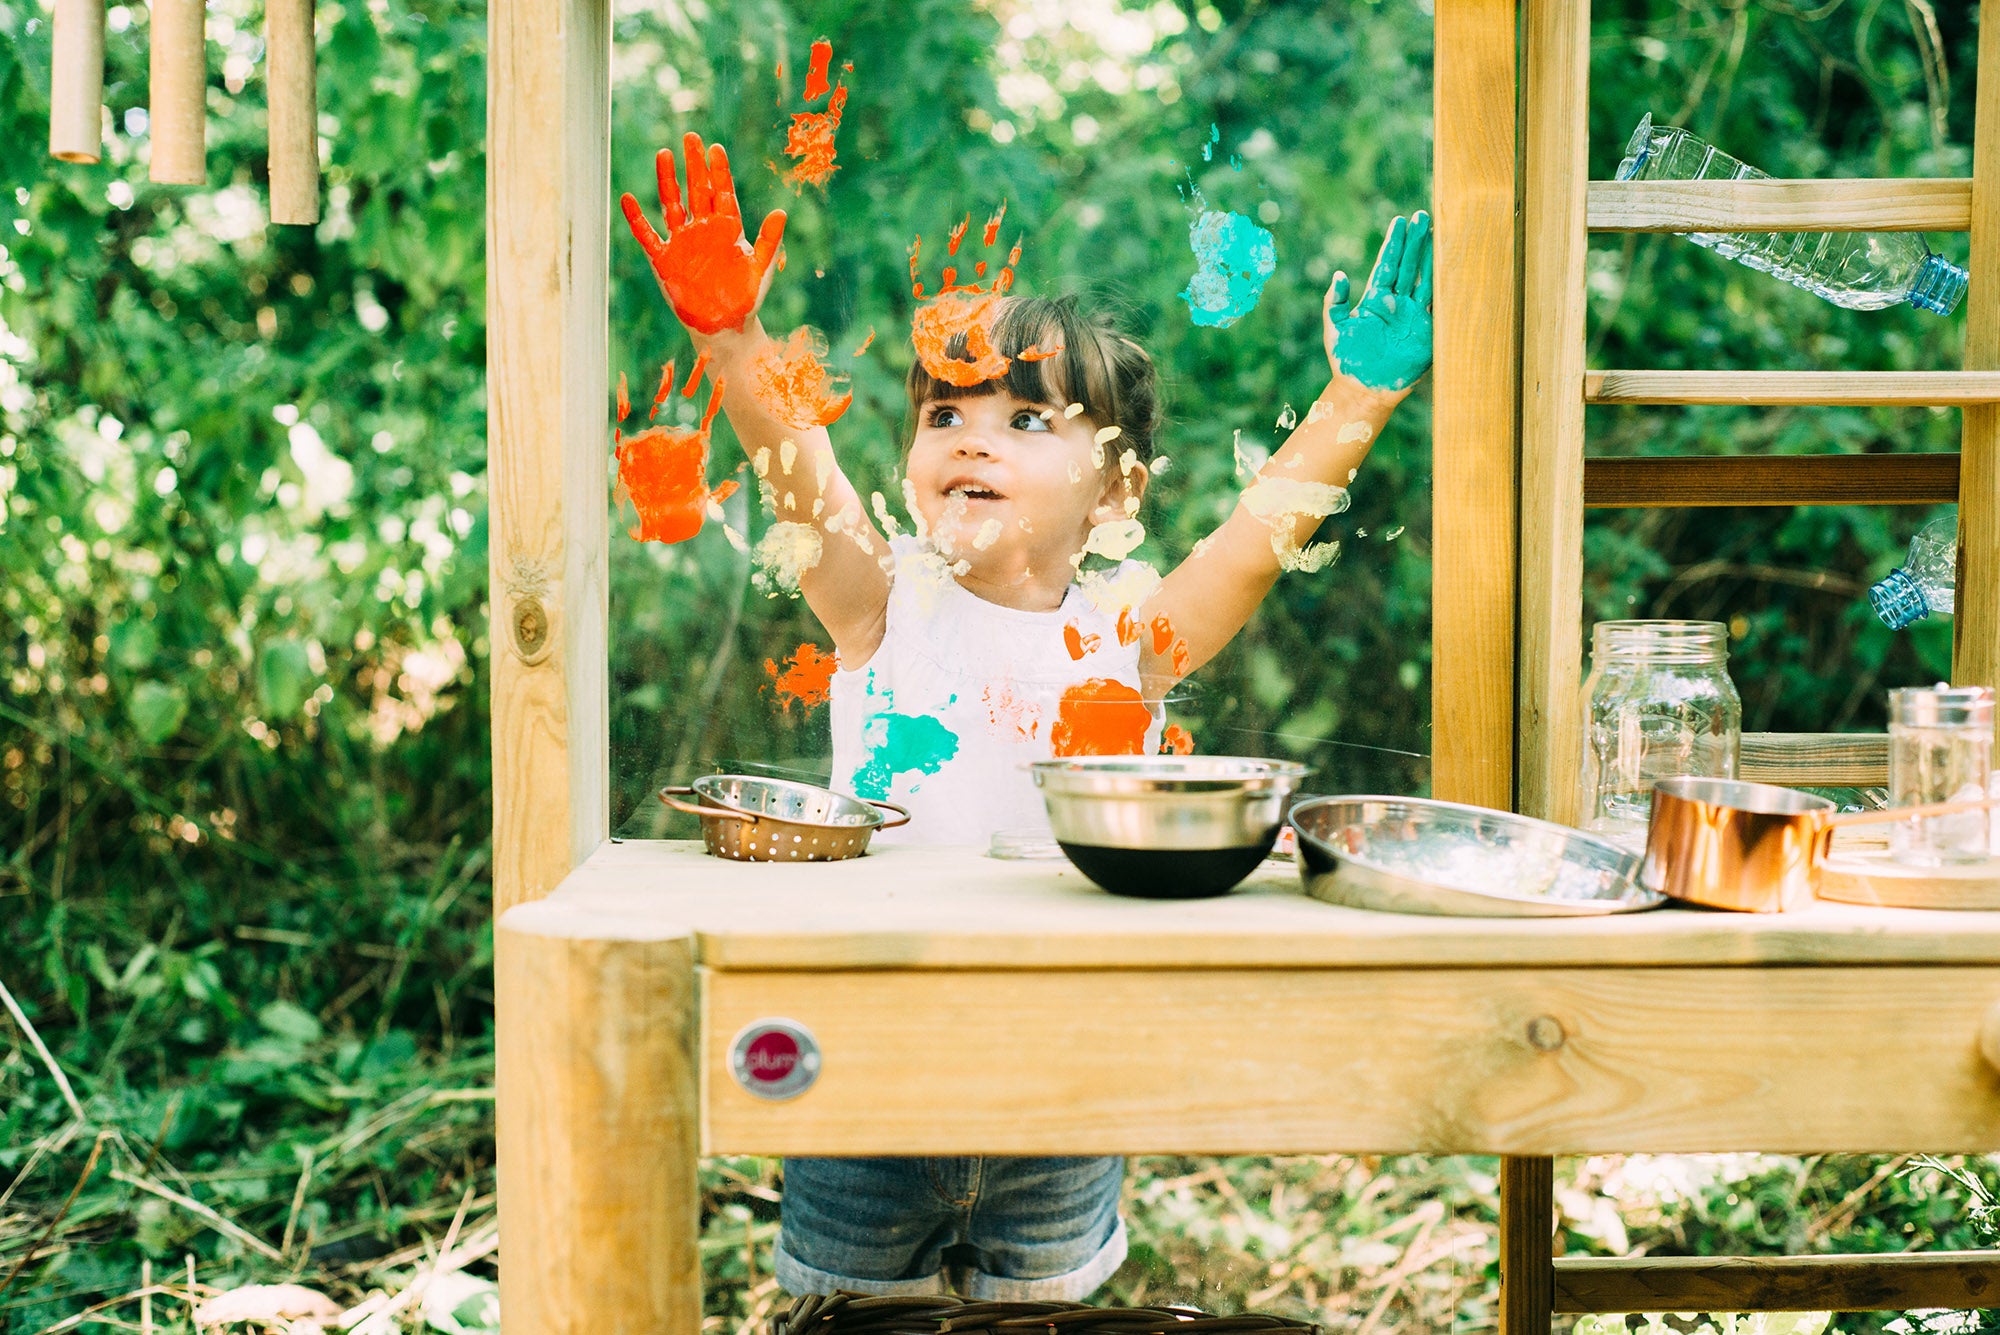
1899,600
1938,286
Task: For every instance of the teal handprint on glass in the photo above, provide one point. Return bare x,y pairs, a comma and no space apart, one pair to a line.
1384,342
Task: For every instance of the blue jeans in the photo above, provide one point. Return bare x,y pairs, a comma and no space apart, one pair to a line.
1037,1229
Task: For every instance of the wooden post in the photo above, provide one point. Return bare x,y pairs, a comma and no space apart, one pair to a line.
76,81
178,113
1527,1239
292,92
600,1197
1552,347
1976,627
1475,430
547,219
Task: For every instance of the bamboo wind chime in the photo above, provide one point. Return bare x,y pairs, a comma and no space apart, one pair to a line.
178,111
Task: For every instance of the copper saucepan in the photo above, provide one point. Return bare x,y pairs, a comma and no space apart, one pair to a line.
1755,847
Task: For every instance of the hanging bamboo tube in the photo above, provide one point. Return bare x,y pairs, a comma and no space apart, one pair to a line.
76,81
293,99
179,111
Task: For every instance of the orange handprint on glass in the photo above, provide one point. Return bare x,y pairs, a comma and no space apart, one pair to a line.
664,469
792,382
963,314
711,275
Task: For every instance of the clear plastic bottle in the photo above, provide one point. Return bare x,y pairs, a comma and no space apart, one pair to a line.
1863,271
1658,704
1927,583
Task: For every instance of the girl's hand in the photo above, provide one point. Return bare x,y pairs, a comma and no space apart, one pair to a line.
1384,343
711,275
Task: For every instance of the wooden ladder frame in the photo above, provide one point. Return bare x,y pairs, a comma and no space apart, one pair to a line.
1514,211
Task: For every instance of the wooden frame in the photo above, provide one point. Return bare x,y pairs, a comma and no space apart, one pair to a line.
614,996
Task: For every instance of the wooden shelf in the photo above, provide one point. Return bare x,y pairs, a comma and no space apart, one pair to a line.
1913,389
1773,479
1863,205
1815,759
1849,1283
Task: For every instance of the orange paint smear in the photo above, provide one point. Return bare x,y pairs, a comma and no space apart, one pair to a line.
1163,633
1181,658
1128,629
1100,717
624,399
809,141
791,381
1012,718
956,311
866,341
822,56
1038,354
1177,741
664,470
700,365
1078,643
806,676
661,394
993,223
957,236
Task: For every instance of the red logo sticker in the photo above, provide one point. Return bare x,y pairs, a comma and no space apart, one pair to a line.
774,1059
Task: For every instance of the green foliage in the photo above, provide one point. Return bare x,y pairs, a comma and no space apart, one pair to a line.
244,747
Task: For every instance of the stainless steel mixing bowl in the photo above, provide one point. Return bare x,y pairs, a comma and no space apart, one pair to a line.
1415,855
1166,827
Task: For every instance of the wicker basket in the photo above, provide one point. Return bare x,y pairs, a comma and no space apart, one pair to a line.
936,1314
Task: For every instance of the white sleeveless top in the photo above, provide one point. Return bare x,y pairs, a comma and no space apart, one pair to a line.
962,694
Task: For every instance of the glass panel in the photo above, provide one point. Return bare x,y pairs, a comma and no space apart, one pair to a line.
1195,180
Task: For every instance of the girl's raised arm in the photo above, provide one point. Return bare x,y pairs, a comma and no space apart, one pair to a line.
716,282
1377,350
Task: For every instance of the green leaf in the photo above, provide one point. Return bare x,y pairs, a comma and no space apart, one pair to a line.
134,644
287,1020
156,710
284,678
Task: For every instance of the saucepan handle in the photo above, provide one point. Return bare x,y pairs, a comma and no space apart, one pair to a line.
1890,815
669,796
902,816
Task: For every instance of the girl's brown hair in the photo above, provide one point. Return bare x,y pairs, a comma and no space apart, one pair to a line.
1098,367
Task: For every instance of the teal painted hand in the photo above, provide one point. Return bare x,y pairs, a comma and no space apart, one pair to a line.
1384,343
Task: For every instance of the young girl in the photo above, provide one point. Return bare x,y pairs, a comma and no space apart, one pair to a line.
976,643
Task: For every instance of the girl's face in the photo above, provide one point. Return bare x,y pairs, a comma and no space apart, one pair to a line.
1012,487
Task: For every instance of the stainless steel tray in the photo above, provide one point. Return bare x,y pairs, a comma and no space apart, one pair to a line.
1415,855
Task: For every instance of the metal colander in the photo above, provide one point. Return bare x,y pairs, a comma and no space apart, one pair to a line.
775,820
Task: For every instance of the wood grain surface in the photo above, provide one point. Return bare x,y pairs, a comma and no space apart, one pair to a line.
76,80
1847,388
177,83
1527,1237
1815,759
1526,1062
953,908
1770,479
598,1130
1868,1283
1476,384
1861,205
1550,725
548,436
291,60
1976,626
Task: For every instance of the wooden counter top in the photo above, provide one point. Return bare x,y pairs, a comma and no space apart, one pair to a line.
953,908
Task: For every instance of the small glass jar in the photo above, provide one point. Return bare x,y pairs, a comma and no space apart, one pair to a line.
1940,750
1658,704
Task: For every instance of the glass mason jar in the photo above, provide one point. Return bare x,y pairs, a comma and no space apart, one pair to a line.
1940,750
1658,703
